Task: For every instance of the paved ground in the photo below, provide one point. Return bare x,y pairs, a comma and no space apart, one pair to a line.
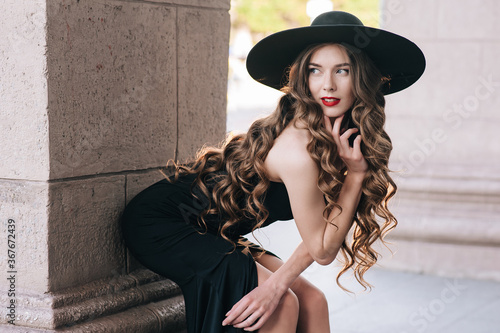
400,302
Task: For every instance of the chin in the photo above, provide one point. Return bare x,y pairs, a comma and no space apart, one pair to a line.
333,114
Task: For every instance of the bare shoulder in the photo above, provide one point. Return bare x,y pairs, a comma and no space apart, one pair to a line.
289,155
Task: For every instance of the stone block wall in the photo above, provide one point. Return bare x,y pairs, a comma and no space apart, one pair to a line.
95,97
446,155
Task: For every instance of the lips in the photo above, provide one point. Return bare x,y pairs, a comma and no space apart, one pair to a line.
330,101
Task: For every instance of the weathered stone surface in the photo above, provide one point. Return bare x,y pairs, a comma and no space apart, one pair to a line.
220,4
202,60
17,329
112,86
80,307
163,316
84,238
23,90
90,111
23,216
138,181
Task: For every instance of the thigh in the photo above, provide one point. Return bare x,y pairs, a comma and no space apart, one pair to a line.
301,287
211,275
313,316
186,255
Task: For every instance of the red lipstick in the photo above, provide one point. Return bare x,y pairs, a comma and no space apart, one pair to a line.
330,101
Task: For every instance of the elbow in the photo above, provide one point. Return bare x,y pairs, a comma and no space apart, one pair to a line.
324,258
324,254
325,261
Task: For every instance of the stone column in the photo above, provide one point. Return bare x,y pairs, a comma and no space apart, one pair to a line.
95,97
445,134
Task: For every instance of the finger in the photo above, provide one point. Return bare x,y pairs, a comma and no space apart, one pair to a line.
337,123
344,138
262,320
235,312
356,146
336,129
344,145
328,123
243,320
357,143
251,320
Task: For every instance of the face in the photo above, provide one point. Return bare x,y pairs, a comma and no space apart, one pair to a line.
329,80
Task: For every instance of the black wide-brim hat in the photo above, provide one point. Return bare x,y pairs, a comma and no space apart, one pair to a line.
397,58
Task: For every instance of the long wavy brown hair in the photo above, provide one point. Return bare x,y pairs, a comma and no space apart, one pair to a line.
238,177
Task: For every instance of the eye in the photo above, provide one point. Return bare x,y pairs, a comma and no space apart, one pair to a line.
313,70
343,71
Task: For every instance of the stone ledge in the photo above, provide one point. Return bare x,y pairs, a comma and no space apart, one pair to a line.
90,304
164,316
215,4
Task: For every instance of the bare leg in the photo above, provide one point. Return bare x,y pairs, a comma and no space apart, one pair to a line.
313,307
285,317
313,316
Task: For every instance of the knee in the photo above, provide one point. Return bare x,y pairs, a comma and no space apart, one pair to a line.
319,299
314,299
290,304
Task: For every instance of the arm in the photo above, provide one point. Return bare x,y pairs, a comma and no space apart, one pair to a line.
320,238
299,172
334,235
351,190
257,306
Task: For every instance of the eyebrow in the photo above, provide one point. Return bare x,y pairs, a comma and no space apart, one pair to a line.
338,65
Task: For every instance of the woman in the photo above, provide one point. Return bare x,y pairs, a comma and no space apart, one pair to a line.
320,158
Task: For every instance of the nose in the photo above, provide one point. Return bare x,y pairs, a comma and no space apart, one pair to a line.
329,83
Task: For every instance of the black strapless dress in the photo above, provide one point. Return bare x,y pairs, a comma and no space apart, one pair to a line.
160,228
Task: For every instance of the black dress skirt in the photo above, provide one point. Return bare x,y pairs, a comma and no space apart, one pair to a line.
161,229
